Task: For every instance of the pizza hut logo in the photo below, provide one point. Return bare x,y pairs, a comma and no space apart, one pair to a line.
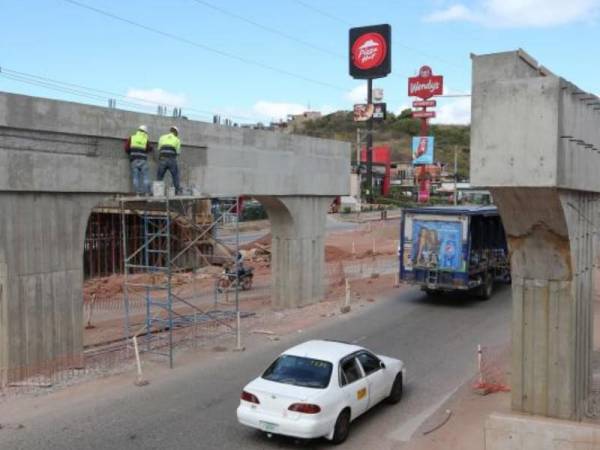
369,51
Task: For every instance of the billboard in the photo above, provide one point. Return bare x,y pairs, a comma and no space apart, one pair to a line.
364,112
437,245
379,111
423,114
426,85
422,150
370,51
424,104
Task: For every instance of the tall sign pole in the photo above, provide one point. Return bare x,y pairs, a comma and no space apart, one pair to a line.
424,86
370,143
370,57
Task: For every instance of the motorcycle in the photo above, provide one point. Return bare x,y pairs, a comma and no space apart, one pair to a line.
229,280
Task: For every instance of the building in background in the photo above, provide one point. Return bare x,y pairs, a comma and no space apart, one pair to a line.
382,167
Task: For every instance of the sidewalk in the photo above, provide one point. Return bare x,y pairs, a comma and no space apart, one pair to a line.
463,427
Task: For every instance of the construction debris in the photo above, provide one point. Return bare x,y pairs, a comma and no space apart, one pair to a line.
262,332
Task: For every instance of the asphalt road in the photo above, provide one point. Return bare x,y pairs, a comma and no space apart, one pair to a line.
193,406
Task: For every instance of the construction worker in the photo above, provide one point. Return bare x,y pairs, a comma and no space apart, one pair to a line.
169,147
138,147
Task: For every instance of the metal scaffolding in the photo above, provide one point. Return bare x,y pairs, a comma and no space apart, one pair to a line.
158,259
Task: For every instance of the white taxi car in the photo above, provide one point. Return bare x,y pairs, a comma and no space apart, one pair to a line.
317,388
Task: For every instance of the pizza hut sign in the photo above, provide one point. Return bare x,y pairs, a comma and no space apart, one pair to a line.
426,85
370,51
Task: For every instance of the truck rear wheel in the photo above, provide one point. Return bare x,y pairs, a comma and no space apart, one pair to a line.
433,294
486,290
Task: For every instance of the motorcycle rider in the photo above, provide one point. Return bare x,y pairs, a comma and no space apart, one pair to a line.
239,264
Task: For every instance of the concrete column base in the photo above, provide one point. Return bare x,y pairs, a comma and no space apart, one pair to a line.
519,431
298,248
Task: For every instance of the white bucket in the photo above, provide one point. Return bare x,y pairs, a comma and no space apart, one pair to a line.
158,189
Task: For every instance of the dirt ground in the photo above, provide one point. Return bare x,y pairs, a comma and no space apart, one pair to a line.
103,297
459,423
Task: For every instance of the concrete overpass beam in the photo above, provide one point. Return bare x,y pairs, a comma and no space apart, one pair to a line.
298,248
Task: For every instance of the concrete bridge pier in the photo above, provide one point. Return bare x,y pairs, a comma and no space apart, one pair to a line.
298,244
535,142
551,236
41,281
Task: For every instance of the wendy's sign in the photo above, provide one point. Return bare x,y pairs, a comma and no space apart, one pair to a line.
426,85
370,51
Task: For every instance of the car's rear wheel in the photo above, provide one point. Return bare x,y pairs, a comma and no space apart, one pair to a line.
396,392
341,428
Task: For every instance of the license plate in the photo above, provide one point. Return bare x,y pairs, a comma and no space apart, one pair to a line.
268,426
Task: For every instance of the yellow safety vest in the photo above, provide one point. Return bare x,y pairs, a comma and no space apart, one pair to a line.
137,145
169,145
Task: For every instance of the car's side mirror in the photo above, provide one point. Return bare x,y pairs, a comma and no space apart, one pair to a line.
382,364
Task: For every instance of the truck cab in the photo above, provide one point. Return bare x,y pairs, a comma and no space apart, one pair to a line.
453,248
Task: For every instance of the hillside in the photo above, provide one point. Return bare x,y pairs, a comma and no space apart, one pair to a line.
397,132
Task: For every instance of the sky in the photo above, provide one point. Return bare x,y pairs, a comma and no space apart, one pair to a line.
263,59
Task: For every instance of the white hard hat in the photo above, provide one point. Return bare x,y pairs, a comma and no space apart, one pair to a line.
143,128
174,128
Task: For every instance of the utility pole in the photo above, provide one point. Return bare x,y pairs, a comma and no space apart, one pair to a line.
370,143
455,175
358,148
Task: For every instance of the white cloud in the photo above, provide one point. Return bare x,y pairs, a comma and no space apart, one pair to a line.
454,112
453,13
519,13
157,96
277,110
327,109
357,94
402,108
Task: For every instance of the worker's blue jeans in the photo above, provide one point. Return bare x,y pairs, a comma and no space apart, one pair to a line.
139,176
170,164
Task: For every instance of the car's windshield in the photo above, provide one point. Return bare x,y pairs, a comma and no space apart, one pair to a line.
306,372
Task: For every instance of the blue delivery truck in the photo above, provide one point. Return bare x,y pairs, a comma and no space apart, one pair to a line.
453,248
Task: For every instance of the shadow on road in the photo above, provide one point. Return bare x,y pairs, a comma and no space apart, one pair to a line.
457,299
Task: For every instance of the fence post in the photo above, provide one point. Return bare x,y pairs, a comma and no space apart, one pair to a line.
140,381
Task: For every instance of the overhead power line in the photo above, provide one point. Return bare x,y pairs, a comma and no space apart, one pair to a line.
275,31
99,94
204,46
395,41
323,13
269,29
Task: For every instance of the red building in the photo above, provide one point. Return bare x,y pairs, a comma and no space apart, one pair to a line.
381,167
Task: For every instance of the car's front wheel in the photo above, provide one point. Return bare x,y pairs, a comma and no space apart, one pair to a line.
396,392
341,428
